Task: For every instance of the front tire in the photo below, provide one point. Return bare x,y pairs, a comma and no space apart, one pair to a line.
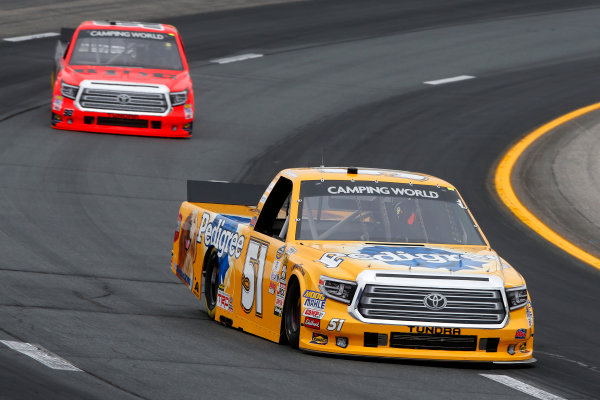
291,314
211,282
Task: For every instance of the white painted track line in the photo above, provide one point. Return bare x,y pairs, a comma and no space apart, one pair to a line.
30,37
41,355
522,387
241,57
449,80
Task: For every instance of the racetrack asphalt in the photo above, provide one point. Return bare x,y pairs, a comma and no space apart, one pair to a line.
558,177
86,220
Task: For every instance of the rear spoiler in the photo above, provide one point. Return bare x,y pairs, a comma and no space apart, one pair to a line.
242,194
66,34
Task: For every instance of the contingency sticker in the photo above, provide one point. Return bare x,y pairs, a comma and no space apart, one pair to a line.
314,301
281,288
319,338
224,301
312,323
529,312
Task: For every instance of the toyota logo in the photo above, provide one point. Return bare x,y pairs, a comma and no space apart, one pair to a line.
123,98
435,301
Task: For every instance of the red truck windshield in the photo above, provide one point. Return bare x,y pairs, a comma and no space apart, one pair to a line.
116,48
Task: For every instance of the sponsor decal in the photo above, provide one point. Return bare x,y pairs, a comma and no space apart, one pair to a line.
529,312
314,300
278,307
57,103
124,116
188,111
280,252
312,323
314,304
222,234
252,222
386,190
319,338
275,270
283,275
521,334
183,276
93,71
129,74
237,218
290,251
68,112
413,257
122,34
332,260
432,330
186,254
224,301
281,288
299,268
311,294
272,287
316,314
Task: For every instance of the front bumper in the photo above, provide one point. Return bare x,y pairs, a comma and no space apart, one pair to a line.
69,117
476,326
507,344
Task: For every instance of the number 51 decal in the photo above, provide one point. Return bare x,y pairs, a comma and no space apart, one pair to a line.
252,276
335,324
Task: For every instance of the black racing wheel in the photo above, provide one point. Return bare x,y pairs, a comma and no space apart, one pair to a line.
211,281
291,314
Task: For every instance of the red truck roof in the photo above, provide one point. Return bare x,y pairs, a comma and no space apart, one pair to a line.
129,25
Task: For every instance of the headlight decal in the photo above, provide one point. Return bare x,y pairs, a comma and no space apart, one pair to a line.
337,289
178,98
517,297
69,91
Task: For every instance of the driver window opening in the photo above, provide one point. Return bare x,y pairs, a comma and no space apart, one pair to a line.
274,217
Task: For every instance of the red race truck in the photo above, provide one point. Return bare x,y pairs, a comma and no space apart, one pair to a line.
122,77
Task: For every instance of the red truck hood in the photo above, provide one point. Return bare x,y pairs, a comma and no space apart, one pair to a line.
174,80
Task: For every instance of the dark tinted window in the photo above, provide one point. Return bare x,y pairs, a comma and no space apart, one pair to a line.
126,49
384,212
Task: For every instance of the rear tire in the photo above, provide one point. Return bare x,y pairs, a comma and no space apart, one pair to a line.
211,282
291,314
